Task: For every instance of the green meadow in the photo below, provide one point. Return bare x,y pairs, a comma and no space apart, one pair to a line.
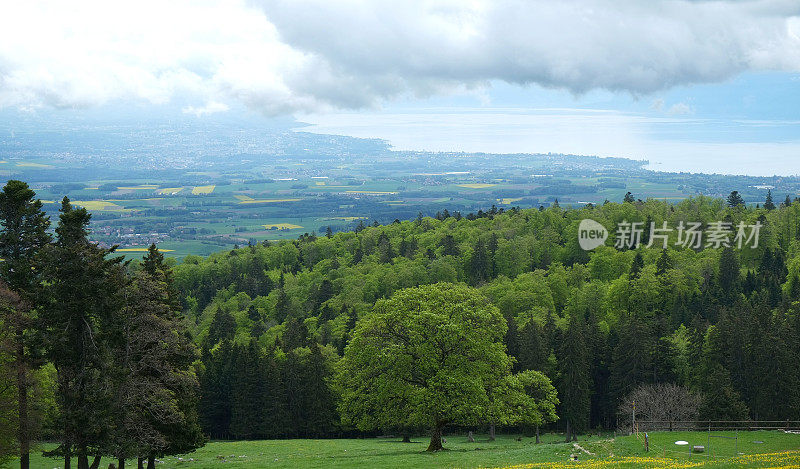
757,449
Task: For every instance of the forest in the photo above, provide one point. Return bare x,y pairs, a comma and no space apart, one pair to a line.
296,338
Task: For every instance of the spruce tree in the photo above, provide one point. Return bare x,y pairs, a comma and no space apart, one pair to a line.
574,387
223,327
23,234
631,363
479,264
768,203
663,263
83,302
735,199
247,391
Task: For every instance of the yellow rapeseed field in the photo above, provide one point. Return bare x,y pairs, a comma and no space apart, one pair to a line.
100,205
197,190
509,200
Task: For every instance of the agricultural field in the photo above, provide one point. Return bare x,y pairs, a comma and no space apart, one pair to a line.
759,449
200,198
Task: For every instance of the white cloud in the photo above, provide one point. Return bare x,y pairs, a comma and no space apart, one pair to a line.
288,56
211,107
680,109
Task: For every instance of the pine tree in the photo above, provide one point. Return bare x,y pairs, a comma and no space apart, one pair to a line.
81,332
729,276
628,198
156,388
735,199
768,204
223,327
320,403
533,350
247,391
22,237
295,335
215,379
664,263
385,251
636,266
324,293
449,246
479,264
574,388
631,363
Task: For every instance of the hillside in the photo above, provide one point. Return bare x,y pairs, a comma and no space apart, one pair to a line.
717,321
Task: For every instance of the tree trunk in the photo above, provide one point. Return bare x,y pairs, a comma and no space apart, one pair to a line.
151,462
83,457
491,432
569,437
140,462
406,438
67,461
22,401
96,462
121,463
537,435
436,437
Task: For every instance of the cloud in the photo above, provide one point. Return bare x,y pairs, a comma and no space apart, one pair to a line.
290,56
680,109
211,107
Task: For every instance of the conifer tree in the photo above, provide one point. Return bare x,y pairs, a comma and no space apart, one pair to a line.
768,203
663,263
23,234
735,199
631,362
574,387
83,301
223,327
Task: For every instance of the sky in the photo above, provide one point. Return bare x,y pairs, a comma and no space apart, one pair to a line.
711,86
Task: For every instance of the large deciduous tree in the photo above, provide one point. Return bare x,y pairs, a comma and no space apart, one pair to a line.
427,356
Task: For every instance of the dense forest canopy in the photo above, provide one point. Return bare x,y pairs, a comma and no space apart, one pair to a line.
275,325
722,323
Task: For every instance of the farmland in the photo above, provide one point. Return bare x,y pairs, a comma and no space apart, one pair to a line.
228,185
774,449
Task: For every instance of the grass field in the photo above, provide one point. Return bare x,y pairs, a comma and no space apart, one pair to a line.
777,450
